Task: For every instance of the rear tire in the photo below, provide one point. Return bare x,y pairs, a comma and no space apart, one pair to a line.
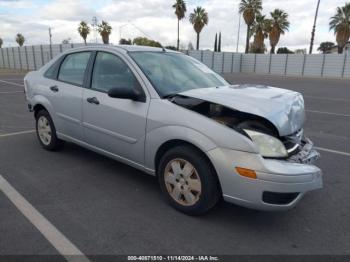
46,131
188,181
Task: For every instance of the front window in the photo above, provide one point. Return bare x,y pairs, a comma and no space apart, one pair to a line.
172,73
111,72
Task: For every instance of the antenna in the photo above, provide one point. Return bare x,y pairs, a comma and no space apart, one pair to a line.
50,35
135,26
314,28
147,35
239,31
94,27
120,30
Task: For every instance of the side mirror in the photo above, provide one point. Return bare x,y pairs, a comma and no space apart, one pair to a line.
126,93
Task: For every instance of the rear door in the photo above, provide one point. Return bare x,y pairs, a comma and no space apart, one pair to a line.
66,94
112,124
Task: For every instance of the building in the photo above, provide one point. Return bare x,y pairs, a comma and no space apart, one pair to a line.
334,50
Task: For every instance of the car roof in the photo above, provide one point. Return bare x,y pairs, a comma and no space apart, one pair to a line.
120,48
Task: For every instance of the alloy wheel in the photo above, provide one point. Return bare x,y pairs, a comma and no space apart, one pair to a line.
182,182
44,130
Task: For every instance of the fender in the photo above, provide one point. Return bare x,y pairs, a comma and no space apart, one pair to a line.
41,100
157,137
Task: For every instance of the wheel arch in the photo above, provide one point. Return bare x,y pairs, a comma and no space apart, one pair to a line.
40,102
38,107
179,142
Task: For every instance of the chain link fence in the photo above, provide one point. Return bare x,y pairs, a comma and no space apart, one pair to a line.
317,65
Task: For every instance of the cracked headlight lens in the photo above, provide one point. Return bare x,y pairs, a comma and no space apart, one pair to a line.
269,146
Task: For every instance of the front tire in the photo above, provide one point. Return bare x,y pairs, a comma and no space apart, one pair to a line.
188,180
46,131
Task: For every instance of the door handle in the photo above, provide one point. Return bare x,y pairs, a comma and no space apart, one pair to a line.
93,100
54,89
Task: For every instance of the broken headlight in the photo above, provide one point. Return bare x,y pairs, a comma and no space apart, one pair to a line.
269,146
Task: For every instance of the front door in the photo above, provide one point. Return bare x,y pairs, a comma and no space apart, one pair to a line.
111,124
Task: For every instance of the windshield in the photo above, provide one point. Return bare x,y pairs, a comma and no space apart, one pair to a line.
172,73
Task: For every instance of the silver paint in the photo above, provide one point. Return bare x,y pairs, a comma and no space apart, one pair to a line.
132,132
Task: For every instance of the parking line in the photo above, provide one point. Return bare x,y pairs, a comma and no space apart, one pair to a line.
11,83
327,113
49,231
18,133
13,79
11,92
326,98
333,151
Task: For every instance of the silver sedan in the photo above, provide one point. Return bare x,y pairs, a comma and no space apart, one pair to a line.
171,116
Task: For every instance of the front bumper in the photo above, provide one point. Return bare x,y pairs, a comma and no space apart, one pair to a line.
280,184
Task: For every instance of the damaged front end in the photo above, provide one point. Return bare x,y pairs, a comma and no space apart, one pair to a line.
306,153
299,149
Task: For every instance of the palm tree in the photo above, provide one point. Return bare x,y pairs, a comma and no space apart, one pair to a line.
279,25
249,9
340,23
326,47
199,18
105,30
180,10
1,42
20,39
260,28
84,30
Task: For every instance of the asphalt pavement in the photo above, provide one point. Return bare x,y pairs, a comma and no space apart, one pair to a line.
105,207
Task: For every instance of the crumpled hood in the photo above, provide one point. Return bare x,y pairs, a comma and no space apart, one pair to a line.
283,108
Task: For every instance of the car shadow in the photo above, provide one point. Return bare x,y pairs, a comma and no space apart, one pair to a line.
223,212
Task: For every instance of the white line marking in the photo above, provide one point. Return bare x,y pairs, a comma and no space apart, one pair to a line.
12,92
17,133
333,151
52,234
327,113
326,98
11,83
13,79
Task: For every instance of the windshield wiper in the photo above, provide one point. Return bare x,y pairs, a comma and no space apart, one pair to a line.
171,95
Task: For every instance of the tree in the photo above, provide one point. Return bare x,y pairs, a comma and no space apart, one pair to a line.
20,39
144,41
257,50
105,30
326,47
180,11
170,47
279,25
199,18
216,43
219,44
1,42
260,28
66,41
284,50
124,41
249,9
190,46
300,51
84,30
340,23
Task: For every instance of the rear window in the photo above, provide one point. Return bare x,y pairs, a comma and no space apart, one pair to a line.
73,68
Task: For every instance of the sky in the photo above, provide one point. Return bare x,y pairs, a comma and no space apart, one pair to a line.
156,19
